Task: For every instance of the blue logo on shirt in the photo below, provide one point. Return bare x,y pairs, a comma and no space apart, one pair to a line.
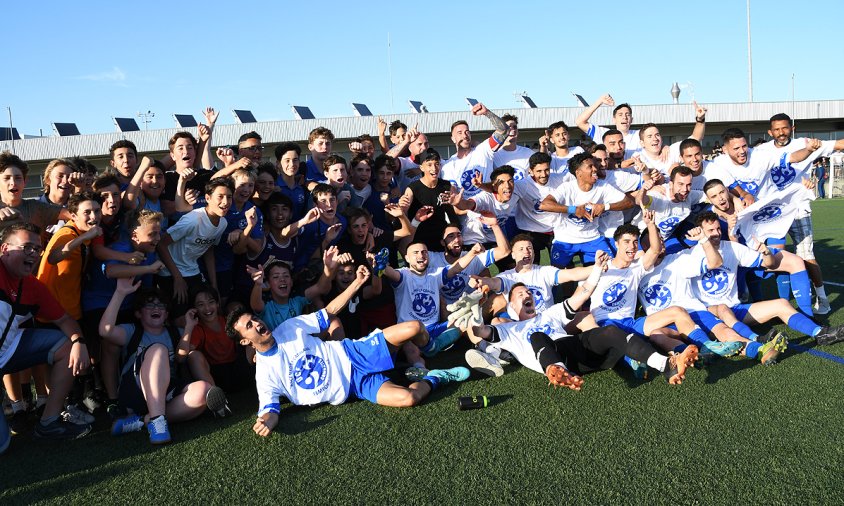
546,329
466,180
538,297
658,296
750,187
613,296
767,213
310,372
715,282
423,305
668,225
453,288
783,175
577,221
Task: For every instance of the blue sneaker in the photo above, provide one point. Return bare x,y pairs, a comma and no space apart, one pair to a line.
640,369
455,374
722,349
5,435
442,341
125,425
159,433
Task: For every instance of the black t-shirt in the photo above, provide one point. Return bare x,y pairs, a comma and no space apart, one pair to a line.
171,178
430,230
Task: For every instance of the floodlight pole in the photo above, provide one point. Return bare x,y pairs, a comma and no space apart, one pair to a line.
146,118
749,58
11,129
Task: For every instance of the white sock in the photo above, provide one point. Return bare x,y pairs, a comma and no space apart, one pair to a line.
657,361
821,291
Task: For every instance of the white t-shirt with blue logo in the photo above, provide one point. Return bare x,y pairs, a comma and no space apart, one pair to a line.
528,215
718,286
301,367
713,171
418,295
460,171
540,280
669,282
515,336
453,288
665,167
518,159
757,172
615,296
784,177
574,230
668,214
475,232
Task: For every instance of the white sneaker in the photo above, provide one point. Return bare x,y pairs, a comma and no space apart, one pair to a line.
483,363
821,306
73,414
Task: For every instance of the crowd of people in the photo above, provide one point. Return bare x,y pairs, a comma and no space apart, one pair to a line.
147,291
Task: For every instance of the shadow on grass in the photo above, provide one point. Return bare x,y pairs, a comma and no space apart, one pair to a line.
72,478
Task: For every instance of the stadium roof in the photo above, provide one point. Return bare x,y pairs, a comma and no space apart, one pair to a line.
47,148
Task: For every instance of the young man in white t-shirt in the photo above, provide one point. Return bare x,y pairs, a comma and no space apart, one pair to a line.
614,299
558,135
190,238
532,190
511,153
672,204
292,363
717,289
580,201
622,117
463,166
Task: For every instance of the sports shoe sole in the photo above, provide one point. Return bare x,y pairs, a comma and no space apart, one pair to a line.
559,377
777,345
215,401
483,363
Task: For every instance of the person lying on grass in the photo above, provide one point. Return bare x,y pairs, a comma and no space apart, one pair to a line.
292,363
539,340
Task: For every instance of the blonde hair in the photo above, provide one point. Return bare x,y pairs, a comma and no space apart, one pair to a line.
49,170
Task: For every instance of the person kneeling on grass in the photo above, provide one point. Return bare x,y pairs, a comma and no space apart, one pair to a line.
149,385
539,340
291,362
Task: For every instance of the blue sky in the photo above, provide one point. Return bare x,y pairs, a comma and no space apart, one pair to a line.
85,62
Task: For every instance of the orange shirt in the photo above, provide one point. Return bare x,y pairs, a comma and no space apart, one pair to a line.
217,347
64,280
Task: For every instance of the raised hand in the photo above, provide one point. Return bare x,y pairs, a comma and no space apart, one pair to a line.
362,274
423,213
77,179
607,100
332,232
256,273
225,155
210,116
479,109
125,286
191,318
204,132
92,232
382,126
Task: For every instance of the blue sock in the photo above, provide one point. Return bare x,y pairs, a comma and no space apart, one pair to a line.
752,349
744,331
680,347
784,286
801,287
801,323
432,380
698,336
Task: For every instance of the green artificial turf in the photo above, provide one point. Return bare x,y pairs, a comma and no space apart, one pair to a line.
736,432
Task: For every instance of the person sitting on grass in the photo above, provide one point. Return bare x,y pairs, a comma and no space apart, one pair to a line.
717,289
149,384
212,356
539,340
21,295
292,363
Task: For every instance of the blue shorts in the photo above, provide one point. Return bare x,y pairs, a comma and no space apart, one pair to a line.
37,346
563,252
740,310
370,356
436,329
705,320
761,272
634,325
